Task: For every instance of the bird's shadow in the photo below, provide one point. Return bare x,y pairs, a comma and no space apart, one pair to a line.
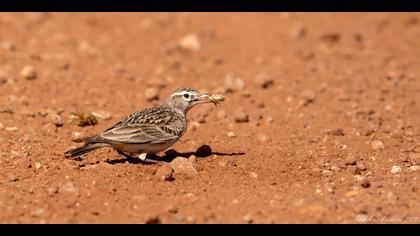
202,152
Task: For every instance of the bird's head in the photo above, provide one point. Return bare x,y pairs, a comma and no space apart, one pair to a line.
184,99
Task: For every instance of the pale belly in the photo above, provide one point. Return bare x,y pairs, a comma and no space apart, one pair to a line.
144,148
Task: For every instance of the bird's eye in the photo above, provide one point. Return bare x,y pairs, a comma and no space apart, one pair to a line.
186,95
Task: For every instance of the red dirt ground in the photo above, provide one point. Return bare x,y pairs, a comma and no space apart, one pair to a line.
342,84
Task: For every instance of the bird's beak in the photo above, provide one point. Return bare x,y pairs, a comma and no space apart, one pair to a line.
203,98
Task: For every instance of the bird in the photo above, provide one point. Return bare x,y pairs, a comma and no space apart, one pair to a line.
150,130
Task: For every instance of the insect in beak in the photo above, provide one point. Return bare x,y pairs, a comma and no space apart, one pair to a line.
213,98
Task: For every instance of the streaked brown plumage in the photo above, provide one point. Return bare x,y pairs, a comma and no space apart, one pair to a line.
147,131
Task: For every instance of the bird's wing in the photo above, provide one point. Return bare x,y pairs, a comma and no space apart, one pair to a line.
155,125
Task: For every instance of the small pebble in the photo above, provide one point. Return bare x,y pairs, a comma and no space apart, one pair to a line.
253,175
189,42
231,134
52,191
326,173
151,94
28,72
414,168
248,218
362,218
181,165
69,187
76,137
264,138
233,83
241,116
377,145
9,46
365,183
164,173
12,129
361,166
350,160
12,178
38,165
1,126
38,212
264,80
395,169
337,132
308,96
269,120
172,209
57,121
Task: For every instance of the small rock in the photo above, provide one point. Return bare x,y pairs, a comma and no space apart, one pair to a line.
28,72
76,137
38,165
414,168
1,126
12,129
57,121
253,175
246,94
269,120
395,169
69,187
52,191
164,173
248,218
153,220
330,37
264,138
182,165
362,218
172,209
9,46
350,160
204,151
337,132
151,94
38,212
308,96
233,83
361,166
264,80
414,158
231,134
403,157
365,183
326,173
189,42
12,178
377,145
241,116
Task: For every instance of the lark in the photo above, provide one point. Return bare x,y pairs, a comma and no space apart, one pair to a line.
151,130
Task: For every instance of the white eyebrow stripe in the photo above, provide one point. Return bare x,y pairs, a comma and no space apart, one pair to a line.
179,93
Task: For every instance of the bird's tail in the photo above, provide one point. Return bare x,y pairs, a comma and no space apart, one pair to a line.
88,147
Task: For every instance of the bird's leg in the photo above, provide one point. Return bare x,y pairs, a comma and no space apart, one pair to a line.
142,156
